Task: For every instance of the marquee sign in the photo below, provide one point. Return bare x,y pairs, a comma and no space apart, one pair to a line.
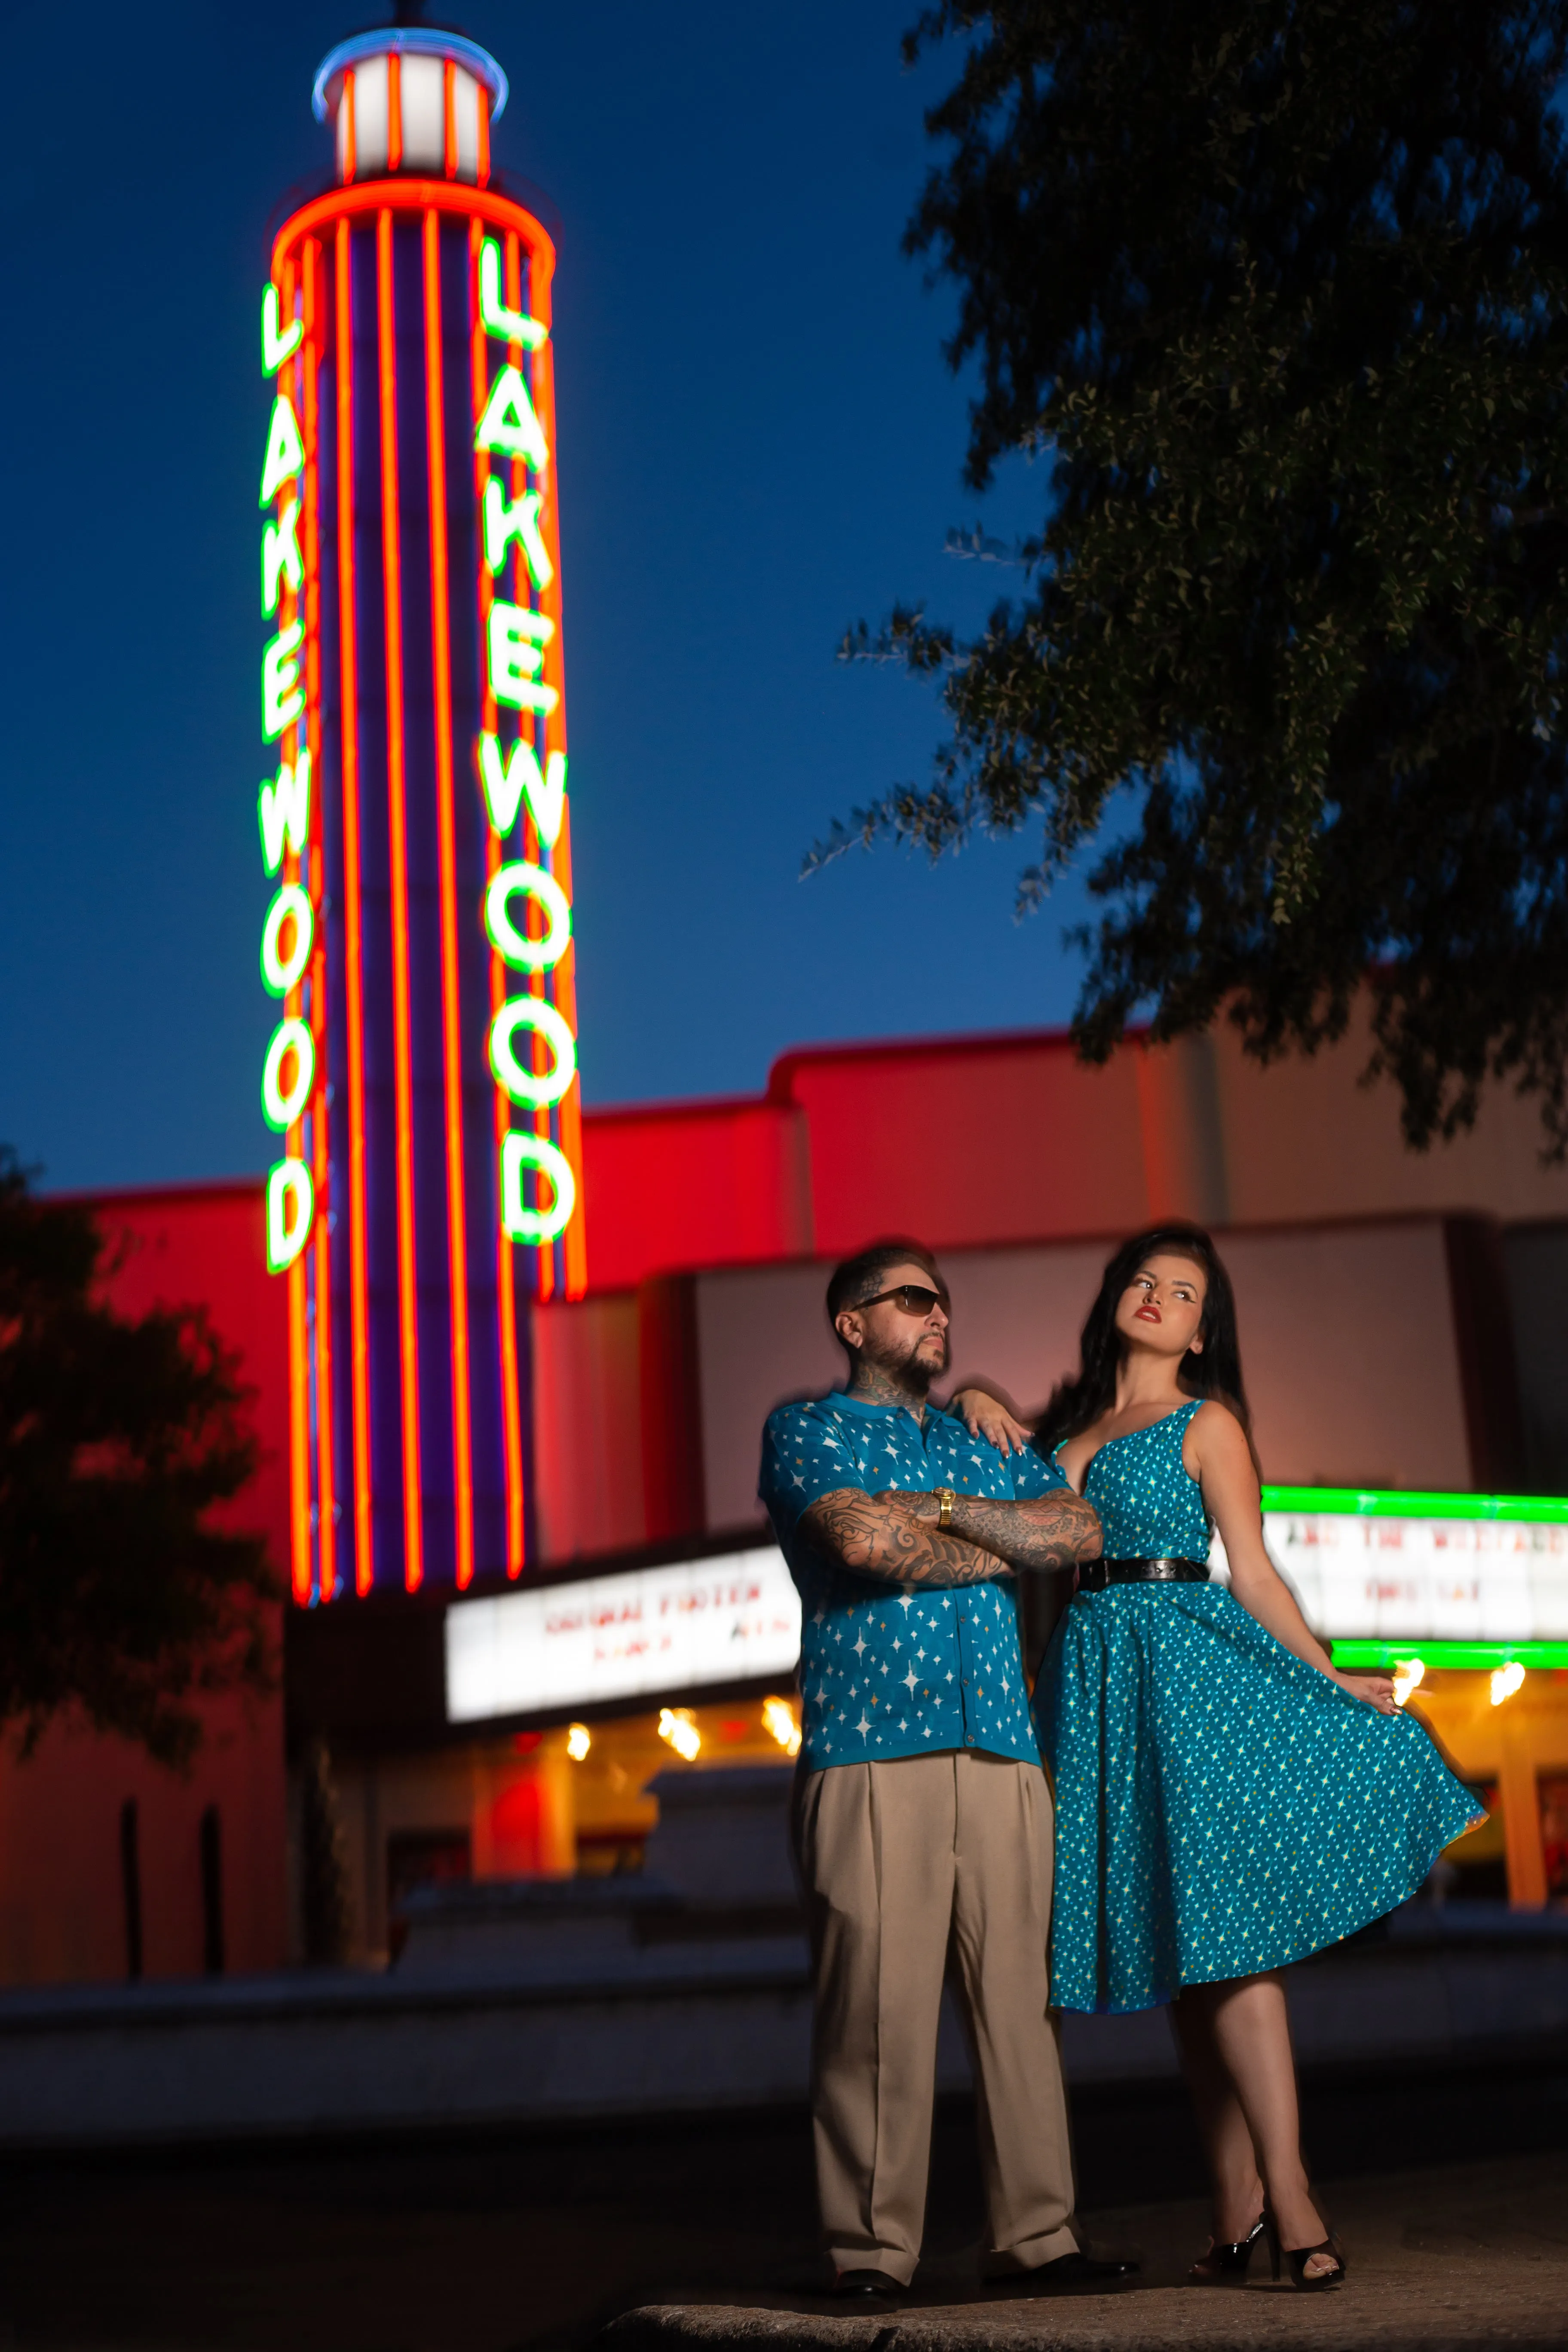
640,1634
421,1076
1465,1580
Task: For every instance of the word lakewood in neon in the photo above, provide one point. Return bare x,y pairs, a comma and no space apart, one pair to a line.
531,1050
283,811
530,1047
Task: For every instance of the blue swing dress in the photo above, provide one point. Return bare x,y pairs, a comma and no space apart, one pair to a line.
1222,1807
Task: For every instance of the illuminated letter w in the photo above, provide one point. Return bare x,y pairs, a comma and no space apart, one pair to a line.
506,785
284,811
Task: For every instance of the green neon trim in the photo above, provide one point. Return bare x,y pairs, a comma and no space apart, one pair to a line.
287,1185
534,1090
282,696
280,556
517,637
283,812
507,326
279,971
276,348
1386,1503
505,785
509,424
518,520
285,450
280,1110
514,946
518,1222
1471,1656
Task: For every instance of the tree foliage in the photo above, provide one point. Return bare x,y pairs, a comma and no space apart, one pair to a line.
117,1438
1275,288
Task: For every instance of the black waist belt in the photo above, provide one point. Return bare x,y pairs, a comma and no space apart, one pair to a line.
1098,1573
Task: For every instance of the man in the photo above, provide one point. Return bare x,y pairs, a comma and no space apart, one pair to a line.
923,1818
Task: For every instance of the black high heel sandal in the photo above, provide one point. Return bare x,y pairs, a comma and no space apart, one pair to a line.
1317,2281
1229,2265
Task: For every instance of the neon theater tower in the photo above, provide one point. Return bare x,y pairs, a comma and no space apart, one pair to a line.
421,1077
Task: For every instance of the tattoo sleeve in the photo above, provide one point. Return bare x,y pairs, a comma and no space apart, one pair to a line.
1054,1530
868,1536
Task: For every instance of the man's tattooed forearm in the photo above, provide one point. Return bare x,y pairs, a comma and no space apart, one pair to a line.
866,1535
1053,1530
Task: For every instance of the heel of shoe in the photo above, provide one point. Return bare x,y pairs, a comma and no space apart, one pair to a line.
1271,2232
1226,2265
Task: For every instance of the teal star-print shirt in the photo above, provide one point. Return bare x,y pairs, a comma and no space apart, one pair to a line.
886,1670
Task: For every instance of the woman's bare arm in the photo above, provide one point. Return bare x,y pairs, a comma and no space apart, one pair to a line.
1216,1451
990,1417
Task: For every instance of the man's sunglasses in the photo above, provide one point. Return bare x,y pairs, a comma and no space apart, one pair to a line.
910,1298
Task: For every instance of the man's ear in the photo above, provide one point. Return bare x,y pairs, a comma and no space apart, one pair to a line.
847,1326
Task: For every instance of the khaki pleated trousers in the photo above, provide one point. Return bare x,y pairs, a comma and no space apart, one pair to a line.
910,1868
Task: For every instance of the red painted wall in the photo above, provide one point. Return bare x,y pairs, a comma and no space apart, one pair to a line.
62,1913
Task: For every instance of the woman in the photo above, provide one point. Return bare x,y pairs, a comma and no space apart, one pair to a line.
1226,1801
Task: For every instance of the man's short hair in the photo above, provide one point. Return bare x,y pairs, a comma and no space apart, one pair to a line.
862,1276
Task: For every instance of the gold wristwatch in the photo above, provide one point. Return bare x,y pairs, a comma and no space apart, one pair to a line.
944,1495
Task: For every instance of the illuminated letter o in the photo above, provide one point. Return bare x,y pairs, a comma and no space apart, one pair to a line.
519,1222
280,1110
536,1090
280,972
516,949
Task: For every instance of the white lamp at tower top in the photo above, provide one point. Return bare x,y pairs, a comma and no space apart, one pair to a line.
433,112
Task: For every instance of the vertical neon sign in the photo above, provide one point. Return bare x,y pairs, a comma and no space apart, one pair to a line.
422,1074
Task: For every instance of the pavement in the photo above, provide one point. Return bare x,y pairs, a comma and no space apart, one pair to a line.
536,2242
1450,2259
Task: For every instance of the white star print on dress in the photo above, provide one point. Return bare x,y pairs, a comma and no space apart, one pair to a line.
970,1637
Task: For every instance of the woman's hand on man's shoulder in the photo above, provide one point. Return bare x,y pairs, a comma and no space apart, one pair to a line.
986,1416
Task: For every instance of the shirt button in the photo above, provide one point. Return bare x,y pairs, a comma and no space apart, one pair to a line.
969,1739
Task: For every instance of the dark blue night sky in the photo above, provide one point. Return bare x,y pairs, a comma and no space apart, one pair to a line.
759,442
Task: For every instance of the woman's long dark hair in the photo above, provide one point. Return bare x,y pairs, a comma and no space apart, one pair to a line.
1215,1373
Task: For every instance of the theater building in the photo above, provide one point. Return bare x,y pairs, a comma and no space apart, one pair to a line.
511,1356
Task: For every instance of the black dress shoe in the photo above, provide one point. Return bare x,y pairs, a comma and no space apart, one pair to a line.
865,2286
1076,2270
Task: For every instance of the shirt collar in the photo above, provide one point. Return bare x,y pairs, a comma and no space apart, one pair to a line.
842,1401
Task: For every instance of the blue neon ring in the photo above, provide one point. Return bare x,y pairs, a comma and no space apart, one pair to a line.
413,43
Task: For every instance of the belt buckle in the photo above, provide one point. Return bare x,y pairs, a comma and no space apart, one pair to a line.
1162,1571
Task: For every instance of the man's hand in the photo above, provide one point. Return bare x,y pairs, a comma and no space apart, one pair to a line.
1050,1531
878,1535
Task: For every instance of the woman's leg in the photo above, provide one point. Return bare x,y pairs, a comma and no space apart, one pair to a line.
1233,2161
1245,2024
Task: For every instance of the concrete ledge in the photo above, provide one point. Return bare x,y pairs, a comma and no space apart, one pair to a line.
531,2004
1463,2259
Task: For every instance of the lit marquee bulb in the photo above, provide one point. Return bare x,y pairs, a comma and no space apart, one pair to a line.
778,1718
578,1741
1506,1681
1408,1676
678,1726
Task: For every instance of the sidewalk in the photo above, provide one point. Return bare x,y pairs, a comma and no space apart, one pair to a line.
1441,2260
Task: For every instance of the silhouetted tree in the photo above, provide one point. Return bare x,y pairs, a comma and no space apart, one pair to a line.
1275,290
117,1437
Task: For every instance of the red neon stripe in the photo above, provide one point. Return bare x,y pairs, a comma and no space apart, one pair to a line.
326,1494
484,169
497,212
446,820
394,111
402,1046
506,1270
449,139
353,978
347,102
